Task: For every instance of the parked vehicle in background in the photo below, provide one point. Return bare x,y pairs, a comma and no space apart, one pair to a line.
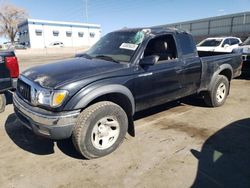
94,96
219,44
8,46
9,72
56,44
20,47
244,49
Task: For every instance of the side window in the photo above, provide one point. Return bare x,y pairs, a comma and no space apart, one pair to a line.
227,41
80,34
234,41
92,34
56,33
163,46
68,33
187,44
39,32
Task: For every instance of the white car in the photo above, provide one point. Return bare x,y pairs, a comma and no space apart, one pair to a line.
219,44
56,44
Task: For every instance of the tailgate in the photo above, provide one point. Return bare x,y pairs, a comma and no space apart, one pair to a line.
5,79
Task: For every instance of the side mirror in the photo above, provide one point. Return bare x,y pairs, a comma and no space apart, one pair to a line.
149,60
226,45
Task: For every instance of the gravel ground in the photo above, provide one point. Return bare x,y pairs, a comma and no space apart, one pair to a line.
180,144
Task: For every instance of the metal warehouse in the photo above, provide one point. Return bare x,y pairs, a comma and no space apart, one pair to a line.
232,24
42,33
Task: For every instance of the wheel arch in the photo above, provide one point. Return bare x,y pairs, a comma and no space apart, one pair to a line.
117,94
225,70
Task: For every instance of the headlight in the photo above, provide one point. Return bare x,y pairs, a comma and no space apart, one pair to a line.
49,98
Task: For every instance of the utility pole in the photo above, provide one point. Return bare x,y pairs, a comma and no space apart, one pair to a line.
86,11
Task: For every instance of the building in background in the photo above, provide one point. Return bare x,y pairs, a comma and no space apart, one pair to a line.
43,34
227,25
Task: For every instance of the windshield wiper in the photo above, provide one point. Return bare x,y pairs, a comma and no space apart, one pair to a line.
105,57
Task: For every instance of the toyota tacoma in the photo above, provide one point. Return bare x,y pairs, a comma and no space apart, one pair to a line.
93,97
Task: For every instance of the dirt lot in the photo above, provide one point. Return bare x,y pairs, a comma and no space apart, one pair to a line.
181,144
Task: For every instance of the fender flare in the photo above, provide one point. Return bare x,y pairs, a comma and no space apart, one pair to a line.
85,96
220,69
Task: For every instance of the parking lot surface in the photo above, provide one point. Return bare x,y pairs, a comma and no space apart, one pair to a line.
180,144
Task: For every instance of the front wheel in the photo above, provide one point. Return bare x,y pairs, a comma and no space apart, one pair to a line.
100,129
217,96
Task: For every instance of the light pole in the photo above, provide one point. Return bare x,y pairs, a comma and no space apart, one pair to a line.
86,11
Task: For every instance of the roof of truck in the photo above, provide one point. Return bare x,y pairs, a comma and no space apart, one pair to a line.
154,30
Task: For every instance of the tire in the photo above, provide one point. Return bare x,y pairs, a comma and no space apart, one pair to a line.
100,129
2,102
220,90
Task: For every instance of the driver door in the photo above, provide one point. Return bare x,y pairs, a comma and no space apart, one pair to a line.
159,83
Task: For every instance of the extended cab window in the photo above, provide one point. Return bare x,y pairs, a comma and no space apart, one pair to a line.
187,44
163,46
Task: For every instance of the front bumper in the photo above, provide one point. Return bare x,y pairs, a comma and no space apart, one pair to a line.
45,123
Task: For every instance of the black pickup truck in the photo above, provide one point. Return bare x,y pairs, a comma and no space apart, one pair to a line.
9,72
94,96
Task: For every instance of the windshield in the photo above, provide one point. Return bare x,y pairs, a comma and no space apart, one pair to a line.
210,42
119,46
246,42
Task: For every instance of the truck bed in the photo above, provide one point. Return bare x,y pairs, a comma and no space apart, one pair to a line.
212,60
205,54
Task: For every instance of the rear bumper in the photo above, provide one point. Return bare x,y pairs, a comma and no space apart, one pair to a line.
8,84
45,123
14,83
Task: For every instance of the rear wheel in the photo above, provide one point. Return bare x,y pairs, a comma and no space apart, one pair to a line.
2,102
100,129
217,96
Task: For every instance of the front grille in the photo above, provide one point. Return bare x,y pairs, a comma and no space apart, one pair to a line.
24,90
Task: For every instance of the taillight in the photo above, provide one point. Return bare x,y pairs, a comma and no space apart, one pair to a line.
12,65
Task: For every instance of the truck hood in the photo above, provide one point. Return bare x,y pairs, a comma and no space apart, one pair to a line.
51,75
